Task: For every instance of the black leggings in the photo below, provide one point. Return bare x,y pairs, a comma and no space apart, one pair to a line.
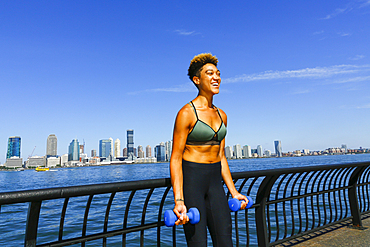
203,189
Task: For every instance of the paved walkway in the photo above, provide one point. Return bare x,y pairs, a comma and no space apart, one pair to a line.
342,235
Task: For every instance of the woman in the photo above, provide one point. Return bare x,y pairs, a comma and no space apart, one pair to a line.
198,163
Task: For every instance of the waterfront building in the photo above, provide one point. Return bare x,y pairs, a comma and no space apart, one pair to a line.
82,149
247,153
130,142
51,146
148,151
259,151
53,161
93,153
105,147
344,146
306,151
111,147
238,151
160,152
140,151
267,153
14,147
74,151
64,160
124,152
35,161
228,152
117,148
278,149
168,146
14,162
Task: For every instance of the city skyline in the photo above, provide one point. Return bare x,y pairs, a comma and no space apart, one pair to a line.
297,72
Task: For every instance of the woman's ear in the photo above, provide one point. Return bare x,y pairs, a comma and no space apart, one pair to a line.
196,80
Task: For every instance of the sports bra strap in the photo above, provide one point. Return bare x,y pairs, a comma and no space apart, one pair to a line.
195,111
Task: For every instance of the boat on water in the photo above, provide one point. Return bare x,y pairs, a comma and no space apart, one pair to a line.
20,169
41,169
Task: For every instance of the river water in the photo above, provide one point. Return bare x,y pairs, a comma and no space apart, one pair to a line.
12,233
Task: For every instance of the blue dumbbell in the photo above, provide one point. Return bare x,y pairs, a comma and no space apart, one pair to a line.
235,204
170,217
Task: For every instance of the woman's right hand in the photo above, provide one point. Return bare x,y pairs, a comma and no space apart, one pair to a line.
180,211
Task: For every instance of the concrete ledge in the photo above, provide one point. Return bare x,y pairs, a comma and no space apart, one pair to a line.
341,234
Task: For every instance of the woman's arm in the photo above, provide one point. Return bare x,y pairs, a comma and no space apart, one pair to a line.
180,132
225,170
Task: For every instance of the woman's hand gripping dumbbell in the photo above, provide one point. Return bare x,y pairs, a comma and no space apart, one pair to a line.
170,217
235,204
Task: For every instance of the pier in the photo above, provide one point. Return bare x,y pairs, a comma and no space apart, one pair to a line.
302,206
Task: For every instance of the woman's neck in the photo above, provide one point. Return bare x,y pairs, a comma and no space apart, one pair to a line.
205,100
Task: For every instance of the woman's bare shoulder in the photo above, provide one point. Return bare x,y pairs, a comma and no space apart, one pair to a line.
223,115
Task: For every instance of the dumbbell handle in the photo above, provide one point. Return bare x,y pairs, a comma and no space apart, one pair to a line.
170,217
235,204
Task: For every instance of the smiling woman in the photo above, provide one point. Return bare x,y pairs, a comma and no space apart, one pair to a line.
198,163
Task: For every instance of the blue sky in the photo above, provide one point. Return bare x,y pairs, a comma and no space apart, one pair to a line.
295,71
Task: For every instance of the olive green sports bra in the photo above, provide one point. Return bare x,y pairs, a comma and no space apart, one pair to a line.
203,134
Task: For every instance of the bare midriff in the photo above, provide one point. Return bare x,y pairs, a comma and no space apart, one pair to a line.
202,154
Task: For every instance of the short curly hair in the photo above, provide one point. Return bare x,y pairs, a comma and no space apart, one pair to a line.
198,62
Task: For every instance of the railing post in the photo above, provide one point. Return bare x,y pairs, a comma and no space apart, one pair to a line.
353,199
32,223
262,195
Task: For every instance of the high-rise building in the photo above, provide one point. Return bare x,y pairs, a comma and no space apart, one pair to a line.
105,148
148,151
160,152
140,151
237,151
278,149
14,147
228,152
74,150
247,153
93,153
51,146
111,147
267,153
82,149
117,148
130,142
259,151
124,152
168,146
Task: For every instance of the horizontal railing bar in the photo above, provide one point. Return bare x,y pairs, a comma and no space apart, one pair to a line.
82,190
280,171
308,195
103,234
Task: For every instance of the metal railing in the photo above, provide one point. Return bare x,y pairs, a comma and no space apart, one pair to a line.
289,203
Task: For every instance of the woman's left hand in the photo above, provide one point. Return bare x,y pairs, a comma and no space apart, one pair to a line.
243,198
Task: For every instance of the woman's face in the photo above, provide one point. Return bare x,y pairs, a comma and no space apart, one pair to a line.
209,79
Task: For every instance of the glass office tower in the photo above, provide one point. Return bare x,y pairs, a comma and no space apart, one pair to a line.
130,143
278,149
74,150
14,147
105,147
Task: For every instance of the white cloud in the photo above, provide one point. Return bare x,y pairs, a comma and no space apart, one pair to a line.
184,88
364,106
184,32
357,57
337,12
301,92
314,73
